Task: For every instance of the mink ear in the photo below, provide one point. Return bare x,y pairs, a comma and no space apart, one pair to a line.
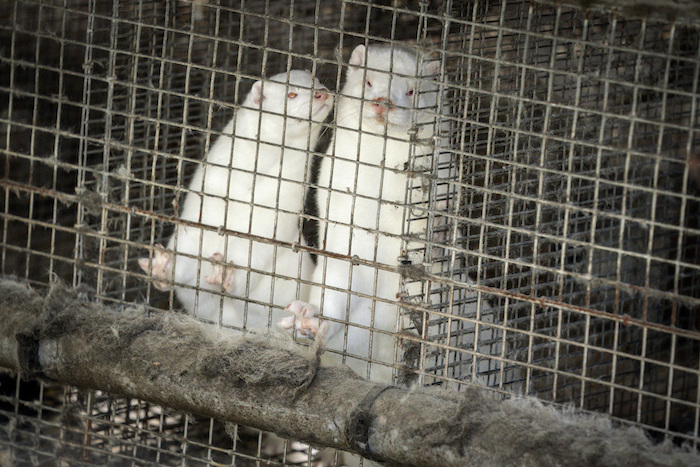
256,91
357,59
431,68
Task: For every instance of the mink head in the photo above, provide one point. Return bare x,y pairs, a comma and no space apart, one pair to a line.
295,97
395,86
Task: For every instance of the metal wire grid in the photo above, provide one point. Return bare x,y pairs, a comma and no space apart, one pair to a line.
566,127
112,64
46,424
575,130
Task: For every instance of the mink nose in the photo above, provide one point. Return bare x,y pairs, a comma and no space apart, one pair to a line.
322,96
381,105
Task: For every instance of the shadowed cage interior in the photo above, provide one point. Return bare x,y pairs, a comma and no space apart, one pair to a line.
564,226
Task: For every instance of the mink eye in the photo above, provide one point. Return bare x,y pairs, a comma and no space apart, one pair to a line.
409,92
369,84
292,95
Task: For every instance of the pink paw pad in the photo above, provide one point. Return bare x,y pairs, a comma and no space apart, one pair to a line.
304,319
222,275
158,267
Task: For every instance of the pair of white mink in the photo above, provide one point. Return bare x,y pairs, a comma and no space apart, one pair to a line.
385,114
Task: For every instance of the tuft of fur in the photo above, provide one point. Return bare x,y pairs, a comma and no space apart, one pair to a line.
174,360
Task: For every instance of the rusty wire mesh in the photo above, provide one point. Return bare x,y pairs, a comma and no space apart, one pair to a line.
566,230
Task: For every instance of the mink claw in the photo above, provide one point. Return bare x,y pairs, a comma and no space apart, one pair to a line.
158,267
304,319
222,275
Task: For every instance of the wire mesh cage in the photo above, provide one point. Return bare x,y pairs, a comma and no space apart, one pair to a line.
558,245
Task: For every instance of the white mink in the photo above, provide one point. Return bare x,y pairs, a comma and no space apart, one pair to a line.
251,182
361,199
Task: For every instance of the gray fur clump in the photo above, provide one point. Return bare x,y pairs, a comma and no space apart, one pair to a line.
64,325
275,385
16,296
530,433
483,429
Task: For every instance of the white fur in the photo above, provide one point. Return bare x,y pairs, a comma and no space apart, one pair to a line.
239,188
361,195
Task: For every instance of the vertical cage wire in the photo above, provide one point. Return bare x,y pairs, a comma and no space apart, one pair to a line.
563,237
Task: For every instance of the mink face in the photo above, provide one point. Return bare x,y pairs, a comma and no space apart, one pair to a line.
391,87
290,102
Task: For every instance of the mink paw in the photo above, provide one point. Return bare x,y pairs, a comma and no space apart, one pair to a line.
304,319
222,275
158,267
